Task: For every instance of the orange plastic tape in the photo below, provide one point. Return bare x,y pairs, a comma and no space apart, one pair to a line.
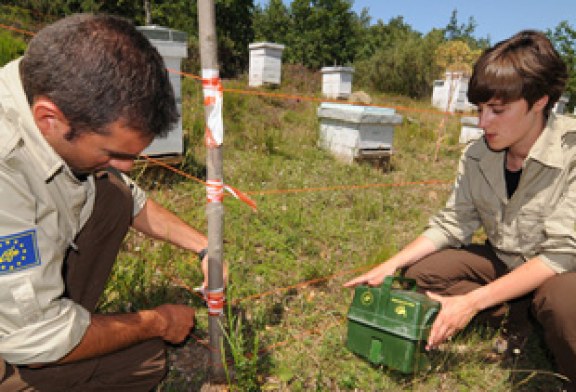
212,88
214,191
215,302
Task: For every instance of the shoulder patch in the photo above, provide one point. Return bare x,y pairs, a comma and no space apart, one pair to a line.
18,251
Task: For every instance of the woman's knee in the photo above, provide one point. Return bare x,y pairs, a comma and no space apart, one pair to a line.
554,303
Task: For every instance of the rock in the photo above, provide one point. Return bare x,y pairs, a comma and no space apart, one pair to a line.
360,97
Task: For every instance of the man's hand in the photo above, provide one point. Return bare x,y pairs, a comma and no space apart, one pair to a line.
205,273
175,322
112,332
455,313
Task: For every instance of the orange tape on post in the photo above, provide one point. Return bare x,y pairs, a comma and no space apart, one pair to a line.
209,139
212,88
215,302
241,196
213,100
214,191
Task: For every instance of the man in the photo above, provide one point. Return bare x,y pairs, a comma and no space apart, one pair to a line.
518,183
88,96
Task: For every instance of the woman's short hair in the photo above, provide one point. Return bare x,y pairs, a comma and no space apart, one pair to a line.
523,66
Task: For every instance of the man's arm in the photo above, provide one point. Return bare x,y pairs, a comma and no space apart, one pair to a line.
157,222
457,311
109,333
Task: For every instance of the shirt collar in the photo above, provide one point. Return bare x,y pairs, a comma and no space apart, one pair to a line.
548,147
46,159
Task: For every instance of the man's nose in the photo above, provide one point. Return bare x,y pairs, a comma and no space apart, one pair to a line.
124,165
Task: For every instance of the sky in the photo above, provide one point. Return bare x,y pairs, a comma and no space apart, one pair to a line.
496,19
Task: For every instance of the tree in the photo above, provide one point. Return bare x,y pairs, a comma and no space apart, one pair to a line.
404,64
564,39
456,56
321,33
464,32
454,31
382,36
235,33
272,23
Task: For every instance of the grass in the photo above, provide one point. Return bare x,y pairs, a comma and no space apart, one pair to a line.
327,235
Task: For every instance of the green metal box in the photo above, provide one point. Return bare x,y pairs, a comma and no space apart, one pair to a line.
389,325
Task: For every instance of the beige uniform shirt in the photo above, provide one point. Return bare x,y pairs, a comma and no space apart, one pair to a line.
42,208
538,221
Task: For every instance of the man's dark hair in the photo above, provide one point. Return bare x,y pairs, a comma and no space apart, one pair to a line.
98,69
523,66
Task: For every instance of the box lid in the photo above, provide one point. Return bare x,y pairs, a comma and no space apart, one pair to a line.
358,113
160,33
337,69
265,45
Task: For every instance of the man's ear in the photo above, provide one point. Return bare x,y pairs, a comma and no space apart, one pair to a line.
48,117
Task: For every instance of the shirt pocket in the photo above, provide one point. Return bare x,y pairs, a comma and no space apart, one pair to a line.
531,230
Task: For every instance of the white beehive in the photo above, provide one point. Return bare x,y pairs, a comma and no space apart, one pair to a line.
265,63
337,82
560,106
470,130
354,132
450,94
171,44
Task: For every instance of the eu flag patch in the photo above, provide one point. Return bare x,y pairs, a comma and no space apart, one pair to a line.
18,251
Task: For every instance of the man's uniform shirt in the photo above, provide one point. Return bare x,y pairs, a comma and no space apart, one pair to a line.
43,206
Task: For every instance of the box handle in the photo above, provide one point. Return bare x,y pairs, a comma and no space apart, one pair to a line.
407,283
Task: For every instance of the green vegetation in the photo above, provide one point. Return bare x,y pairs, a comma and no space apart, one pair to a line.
299,330
12,43
317,230
388,56
10,47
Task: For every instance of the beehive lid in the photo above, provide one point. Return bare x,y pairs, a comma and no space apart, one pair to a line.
469,121
265,45
160,33
358,113
337,69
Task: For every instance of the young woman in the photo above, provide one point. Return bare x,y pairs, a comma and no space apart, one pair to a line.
518,183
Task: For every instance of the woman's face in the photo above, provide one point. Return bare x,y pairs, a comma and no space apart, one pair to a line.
511,125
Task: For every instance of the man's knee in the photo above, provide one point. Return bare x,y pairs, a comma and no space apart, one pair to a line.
138,368
155,366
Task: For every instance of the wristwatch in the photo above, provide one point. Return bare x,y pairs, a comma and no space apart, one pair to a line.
202,253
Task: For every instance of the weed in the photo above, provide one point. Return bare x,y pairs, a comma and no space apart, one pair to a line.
244,375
